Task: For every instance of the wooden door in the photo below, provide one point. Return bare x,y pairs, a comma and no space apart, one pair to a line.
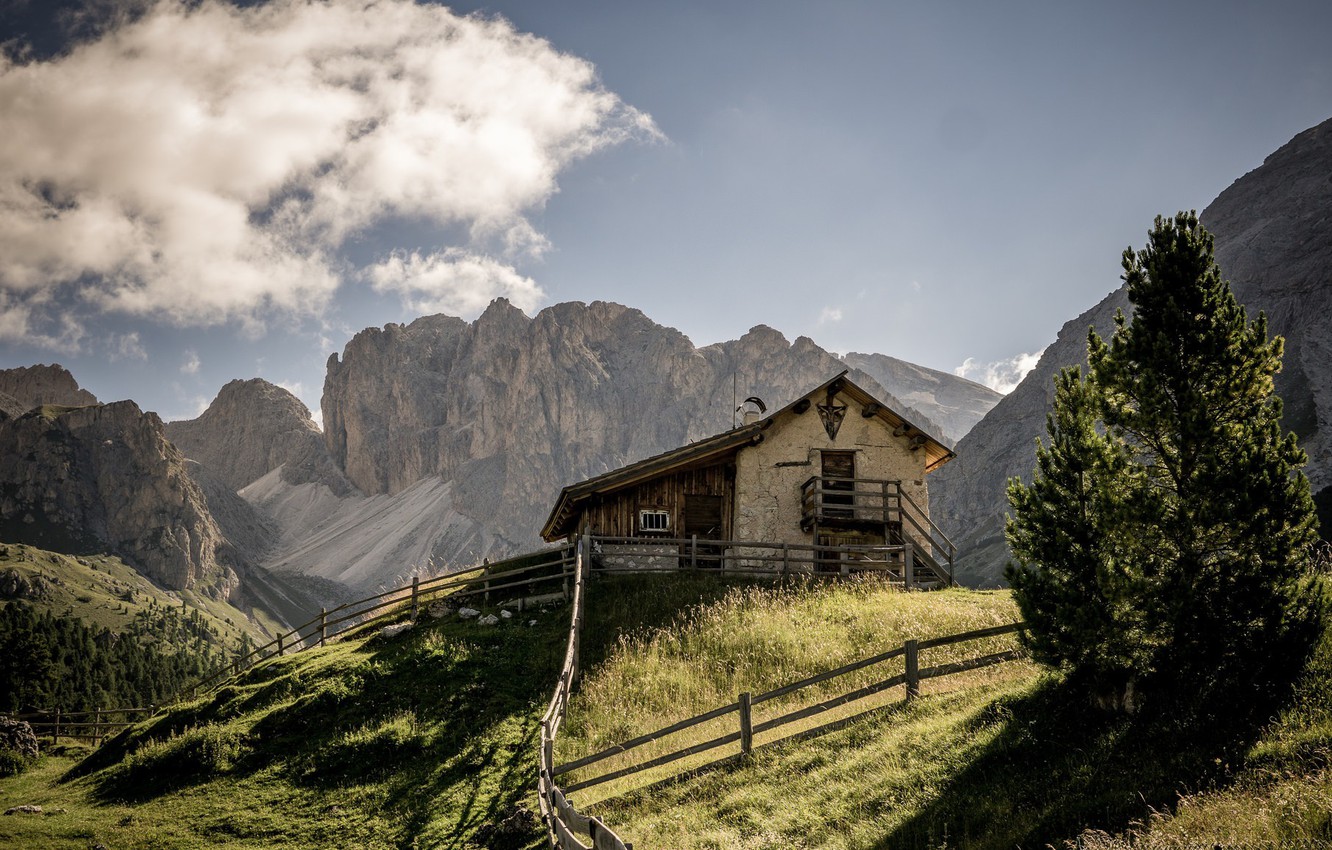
703,516
703,519
838,470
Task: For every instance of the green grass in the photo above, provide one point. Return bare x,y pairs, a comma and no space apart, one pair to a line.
842,788
1001,759
103,591
417,740
428,738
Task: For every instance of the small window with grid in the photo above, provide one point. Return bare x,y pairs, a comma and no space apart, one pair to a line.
654,521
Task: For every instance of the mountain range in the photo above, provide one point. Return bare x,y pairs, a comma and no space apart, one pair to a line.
445,441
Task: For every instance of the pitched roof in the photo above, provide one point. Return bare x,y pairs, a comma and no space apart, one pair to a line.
725,443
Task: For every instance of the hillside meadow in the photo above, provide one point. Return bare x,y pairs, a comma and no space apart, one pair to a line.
428,739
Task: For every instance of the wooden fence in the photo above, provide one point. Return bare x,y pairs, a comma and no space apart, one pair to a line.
512,577
92,726
564,822
571,566
903,563
747,728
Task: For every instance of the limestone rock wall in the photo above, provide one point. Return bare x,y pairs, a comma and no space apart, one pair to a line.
252,428
104,478
509,409
33,386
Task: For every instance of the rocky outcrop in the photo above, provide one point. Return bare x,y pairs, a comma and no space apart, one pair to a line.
250,534
252,428
104,478
32,386
10,407
955,403
1273,236
508,409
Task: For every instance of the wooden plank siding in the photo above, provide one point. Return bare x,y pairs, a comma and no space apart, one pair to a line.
616,514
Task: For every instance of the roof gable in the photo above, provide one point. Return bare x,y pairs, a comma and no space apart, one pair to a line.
729,442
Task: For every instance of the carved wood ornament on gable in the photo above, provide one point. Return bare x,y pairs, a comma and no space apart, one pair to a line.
832,413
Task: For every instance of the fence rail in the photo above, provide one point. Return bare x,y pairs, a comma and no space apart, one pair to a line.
898,562
557,565
93,726
743,706
571,566
563,821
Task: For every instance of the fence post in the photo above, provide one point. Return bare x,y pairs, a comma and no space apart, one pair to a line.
416,596
693,551
97,726
786,559
908,567
55,730
485,574
746,725
323,625
912,669
281,649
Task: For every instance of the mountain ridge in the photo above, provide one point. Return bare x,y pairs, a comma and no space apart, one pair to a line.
1273,241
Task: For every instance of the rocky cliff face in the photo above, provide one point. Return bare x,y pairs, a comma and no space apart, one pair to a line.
32,386
10,407
252,428
955,403
509,409
1273,235
104,477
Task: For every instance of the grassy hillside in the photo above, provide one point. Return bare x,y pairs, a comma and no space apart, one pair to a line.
104,592
997,759
422,739
427,739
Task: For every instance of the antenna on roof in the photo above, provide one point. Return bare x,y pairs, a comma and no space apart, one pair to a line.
734,408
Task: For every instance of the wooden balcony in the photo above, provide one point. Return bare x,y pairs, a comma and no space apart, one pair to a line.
872,504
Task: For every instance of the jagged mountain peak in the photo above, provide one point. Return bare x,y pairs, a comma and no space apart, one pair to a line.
251,428
103,477
32,386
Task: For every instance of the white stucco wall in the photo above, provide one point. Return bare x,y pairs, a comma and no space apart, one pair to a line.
768,476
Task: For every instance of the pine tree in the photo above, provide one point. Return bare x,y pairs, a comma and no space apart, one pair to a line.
1198,519
1080,604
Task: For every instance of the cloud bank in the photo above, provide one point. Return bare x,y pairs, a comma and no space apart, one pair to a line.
1001,375
207,164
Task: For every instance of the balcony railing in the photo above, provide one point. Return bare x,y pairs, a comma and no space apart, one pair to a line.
829,502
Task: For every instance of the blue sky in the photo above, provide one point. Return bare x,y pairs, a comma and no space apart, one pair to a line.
942,182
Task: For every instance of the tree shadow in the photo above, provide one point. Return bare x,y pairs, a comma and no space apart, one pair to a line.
1059,765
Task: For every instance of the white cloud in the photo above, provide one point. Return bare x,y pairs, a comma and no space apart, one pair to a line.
454,281
915,286
206,163
127,347
293,387
1001,375
830,315
191,364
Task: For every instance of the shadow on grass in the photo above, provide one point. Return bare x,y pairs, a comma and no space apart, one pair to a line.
739,761
1059,765
436,726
